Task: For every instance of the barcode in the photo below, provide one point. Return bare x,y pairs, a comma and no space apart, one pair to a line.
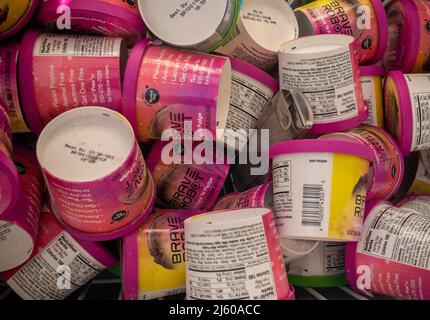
313,200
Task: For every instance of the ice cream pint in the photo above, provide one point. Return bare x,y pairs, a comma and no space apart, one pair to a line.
407,110
409,36
392,257
99,185
388,166
322,268
319,188
153,256
18,225
111,18
237,250
365,20
9,181
251,90
59,265
261,28
164,88
287,116
197,25
257,197
14,15
9,86
324,68
185,186
62,72
371,83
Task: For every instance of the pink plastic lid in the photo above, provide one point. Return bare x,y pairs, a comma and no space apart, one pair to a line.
381,17
129,86
406,116
351,249
9,181
26,84
22,22
93,8
343,125
371,71
255,73
326,145
109,235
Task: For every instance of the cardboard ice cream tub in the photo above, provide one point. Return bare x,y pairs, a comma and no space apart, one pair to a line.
99,185
153,256
409,36
388,167
364,20
371,78
324,267
201,26
392,256
59,265
320,188
262,26
63,72
251,91
14,15
238,249
324,68
110,18
407,110
9,96
9,181
18,225
165,87
188,186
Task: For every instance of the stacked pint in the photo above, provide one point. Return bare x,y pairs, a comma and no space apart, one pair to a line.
225,150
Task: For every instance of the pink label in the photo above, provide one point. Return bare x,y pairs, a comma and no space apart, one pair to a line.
106,204
253,198
283,291
347,17
75,71
9,86
130,5
175,86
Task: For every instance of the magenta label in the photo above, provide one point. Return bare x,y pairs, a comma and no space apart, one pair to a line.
393,256
253,198
75,71
5,131
106,204
176,86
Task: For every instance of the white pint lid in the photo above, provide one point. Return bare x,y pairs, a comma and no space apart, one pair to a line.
183,23
85,144
16,245
270,22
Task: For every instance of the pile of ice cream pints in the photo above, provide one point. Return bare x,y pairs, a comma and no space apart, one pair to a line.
339,84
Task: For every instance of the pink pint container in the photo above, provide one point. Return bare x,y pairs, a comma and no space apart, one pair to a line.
18,225
9,181
164,87
183,185
392,257
62,72
388,166
111,18
9,96
14,15
59,265
324,68
365,20
236,248
153,256
409,36
99,185
406,110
